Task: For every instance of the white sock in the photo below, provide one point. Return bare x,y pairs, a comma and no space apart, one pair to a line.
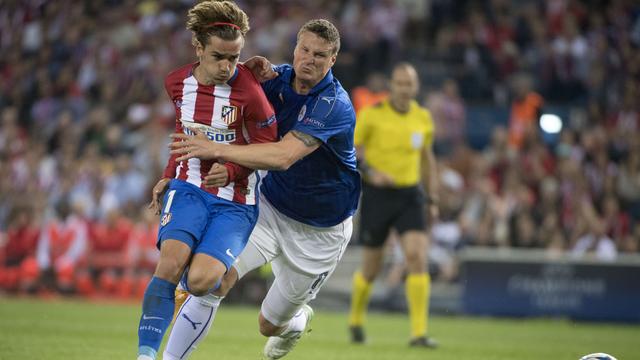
192,325
296,325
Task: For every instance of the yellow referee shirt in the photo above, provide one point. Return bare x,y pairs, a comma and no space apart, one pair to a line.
393,141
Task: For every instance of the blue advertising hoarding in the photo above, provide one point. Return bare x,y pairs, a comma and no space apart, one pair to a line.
526,286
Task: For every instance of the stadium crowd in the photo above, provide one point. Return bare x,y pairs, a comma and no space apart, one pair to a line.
84,122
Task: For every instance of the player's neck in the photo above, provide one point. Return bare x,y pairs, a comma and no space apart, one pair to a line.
400,106
201,77
301,87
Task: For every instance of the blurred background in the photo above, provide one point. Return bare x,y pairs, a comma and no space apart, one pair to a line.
537,136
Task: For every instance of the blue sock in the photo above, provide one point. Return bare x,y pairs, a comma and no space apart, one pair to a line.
157,311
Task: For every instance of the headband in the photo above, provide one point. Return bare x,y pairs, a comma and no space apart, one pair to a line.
223,24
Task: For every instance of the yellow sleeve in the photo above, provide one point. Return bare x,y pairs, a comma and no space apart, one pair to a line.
362,128
430,129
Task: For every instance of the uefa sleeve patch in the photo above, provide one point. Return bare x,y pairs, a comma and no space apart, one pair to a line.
267,123
164,220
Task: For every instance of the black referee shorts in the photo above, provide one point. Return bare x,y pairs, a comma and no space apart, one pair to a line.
386,208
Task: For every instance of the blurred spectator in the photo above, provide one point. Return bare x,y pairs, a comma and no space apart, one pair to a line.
17,251
372,92
108,263
526,109
595,243
62,245
448,110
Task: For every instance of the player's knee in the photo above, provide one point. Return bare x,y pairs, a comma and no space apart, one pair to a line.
169,268
267,328
201,283
416,262
228,281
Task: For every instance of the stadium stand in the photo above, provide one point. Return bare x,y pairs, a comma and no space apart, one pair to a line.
84,119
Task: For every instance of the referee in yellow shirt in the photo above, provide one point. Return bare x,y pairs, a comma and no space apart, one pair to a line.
394,145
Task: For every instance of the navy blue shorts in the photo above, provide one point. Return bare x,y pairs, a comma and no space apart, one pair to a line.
206,223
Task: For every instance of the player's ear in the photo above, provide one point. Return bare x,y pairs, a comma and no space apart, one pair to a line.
199,48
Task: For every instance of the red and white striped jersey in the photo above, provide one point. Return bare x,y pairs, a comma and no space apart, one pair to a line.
237,112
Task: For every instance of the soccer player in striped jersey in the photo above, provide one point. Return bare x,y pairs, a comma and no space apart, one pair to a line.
204,227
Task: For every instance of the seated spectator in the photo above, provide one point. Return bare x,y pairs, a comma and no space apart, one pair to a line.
595,243
143,250
62,245
108,262
17,254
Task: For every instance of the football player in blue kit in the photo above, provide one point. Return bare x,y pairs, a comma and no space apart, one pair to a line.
306,203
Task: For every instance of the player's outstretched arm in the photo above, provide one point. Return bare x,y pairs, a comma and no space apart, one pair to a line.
267,156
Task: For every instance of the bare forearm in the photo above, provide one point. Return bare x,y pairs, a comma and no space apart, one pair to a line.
270,156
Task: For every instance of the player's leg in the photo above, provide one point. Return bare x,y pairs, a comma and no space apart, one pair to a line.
376,215
413,238
157,304
285,315
195,318
182,222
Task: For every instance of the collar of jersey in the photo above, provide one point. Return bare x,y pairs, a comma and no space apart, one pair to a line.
328,79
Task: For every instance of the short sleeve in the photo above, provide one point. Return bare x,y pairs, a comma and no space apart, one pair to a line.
362,128
430,129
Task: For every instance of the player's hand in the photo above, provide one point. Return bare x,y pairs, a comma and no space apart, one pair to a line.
379,179
156,195
261,68
197,146
218,176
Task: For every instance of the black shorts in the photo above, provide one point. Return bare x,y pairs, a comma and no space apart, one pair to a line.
384,208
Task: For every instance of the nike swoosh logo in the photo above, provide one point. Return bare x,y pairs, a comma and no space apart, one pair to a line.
230,254
145,317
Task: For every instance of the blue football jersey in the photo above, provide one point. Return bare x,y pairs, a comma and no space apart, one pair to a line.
323,188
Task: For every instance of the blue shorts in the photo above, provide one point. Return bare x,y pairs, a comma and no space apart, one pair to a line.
206,223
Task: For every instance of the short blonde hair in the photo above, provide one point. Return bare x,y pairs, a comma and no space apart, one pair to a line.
324,29
221,18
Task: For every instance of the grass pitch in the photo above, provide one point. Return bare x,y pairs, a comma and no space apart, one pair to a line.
68,329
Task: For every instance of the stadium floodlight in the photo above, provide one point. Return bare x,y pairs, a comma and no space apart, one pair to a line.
550,123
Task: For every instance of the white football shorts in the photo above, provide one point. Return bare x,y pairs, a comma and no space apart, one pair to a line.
302,258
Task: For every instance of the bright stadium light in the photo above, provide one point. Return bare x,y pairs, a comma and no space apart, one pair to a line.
550,123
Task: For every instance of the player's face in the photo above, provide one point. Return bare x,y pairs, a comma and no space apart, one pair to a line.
312,58
218,59
404,85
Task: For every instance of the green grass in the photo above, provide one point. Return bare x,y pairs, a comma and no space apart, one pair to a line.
31,329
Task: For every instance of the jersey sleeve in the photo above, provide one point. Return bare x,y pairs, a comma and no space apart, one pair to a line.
362,128
236,172
170,169
260,119
430,129
326,117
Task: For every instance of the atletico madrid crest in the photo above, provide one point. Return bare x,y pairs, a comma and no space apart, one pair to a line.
229,114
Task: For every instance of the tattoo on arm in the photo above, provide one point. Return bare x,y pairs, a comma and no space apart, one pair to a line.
307,139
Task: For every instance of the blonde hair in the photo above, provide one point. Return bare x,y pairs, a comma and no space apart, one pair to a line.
221,18
324,29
